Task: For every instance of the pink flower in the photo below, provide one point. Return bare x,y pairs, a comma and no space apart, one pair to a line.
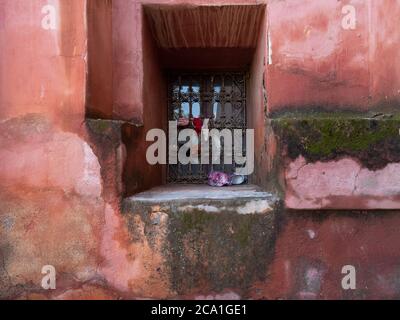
218,179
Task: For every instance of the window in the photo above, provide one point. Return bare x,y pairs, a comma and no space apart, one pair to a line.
194,97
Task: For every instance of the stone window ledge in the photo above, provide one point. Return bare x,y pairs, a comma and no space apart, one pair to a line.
245,199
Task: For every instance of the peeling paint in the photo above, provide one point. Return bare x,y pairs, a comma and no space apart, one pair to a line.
341,184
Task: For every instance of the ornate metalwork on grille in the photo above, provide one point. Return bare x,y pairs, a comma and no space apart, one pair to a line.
219,97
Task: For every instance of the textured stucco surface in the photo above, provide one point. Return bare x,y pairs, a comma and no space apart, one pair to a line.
339,161
63,177
341,184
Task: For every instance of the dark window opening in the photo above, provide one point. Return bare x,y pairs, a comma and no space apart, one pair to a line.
219,97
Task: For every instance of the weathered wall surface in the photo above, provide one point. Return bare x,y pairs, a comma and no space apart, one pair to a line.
138,174
314,246
100,93
339,162
61,176
51,207
334,101
317,63
42,71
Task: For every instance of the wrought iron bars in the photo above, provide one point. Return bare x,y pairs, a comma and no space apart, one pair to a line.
193,97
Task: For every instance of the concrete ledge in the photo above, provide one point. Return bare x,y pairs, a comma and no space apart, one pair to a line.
246,199
210,239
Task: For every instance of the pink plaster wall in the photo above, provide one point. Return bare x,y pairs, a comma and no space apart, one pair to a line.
256,104
50,182
139,175
312,250
342,184
42,87
384,65
127,60
314,62
128,55
99,93
50,173
42,70
309,52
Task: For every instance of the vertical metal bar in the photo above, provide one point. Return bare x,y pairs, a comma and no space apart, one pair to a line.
180,96
212,95
201,115
190,96
190,91
223,99
179,167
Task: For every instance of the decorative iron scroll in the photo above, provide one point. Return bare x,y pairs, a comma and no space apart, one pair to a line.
193,97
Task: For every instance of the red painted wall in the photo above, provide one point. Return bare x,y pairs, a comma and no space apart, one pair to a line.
51,179
42,70
310,53
315,62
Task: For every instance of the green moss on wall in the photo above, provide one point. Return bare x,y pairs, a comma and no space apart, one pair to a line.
375,142
99,126
224,250
194,221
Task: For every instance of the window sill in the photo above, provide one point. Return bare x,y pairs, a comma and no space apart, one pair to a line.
245,199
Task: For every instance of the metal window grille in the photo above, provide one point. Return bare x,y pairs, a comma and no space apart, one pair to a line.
192,98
